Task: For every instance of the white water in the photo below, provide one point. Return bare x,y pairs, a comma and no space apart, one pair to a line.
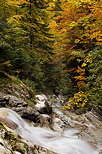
66,143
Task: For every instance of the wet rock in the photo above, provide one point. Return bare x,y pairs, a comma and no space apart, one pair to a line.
15,102
88,124
3,150
42,104
40,150
16,152
3,101
51,115
30,114
93,118
55,101
58,125
27,112
11,101
41,99
15,145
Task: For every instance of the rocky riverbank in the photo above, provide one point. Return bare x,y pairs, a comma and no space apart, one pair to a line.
47,112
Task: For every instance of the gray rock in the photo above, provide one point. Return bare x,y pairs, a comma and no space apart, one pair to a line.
42,105
11,101
19,146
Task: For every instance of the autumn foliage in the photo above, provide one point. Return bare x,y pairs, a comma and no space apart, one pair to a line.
56,45
78,28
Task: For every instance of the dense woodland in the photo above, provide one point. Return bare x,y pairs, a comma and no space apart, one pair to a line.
54,45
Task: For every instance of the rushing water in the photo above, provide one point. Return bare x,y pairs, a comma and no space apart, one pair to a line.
66,143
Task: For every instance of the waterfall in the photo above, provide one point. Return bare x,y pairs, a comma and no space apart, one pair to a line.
66,143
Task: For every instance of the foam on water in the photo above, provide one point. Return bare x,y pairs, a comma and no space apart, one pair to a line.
66,143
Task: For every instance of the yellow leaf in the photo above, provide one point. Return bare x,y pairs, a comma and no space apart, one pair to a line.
80,77
84,64
7,63
89,60
77,41
51,4
83,104
80,83
80,70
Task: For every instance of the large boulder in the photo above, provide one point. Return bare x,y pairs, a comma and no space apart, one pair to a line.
38,115
42,104
12,101
41,100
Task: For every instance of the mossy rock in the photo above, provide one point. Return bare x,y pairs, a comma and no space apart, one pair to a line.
2,126
15,142
21,147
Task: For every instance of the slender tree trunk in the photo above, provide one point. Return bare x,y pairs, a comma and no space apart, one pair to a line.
30,12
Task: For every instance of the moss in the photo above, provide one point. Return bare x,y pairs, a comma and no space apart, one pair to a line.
10,136
2,126
6,81
9,84
14,86
6,78
21,147
15,142
31,102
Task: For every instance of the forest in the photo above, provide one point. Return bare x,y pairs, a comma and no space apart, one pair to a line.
54,45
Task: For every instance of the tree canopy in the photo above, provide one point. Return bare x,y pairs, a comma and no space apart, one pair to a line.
56,44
